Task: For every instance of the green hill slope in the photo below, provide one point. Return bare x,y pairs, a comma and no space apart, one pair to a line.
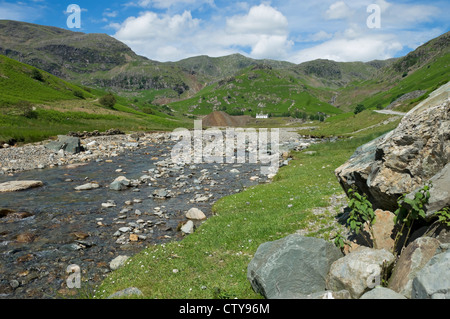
258,89
423,69
20,82
35,105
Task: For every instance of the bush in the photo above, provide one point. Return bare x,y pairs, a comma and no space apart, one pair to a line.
109,100
37,75
359,108
78,94
26,110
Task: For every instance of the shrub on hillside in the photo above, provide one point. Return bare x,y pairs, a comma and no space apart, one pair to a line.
37,75
359,108
78,94
26,109
109,100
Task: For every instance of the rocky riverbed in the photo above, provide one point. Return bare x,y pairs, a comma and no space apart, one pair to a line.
121,194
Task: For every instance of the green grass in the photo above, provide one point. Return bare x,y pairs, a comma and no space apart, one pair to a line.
50,123
17,84
255,91
346,124
215,258
378,93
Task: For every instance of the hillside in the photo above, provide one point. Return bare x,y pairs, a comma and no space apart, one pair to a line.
235,84
35,105
88,59
331,74
257,89
23,82
423,69
221,67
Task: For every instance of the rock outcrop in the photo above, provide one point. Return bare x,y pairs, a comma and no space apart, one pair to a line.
405,159
398,163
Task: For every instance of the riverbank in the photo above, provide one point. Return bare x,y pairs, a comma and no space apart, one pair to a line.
304,197
45,229
37,156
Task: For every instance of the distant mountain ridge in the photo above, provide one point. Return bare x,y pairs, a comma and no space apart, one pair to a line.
99,60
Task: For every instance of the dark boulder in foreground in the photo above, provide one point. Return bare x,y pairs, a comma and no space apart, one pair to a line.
292,267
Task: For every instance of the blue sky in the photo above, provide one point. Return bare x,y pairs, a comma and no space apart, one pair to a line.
295,31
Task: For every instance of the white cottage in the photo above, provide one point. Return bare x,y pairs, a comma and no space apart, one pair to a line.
262,116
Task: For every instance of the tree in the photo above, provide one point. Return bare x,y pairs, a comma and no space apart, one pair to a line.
78,94
109,100
359,108
37,75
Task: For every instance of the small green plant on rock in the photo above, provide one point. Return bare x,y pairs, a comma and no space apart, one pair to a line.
340,242
409,210
361,214
444,216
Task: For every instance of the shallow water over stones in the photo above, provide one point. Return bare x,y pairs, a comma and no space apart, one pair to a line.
44,230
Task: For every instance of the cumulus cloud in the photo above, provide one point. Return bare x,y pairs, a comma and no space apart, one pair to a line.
262,19
164,4
379,47
295,31
338,10
263,30
158,36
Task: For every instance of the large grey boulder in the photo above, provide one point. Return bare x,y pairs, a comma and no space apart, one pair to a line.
68,144
382,293
433,281
415,256
291,266
359,271
404,159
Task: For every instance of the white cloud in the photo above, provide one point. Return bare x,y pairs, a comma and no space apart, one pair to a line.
263,31
164,4
151,27
262,19
362,48
110,14
336,29
338,10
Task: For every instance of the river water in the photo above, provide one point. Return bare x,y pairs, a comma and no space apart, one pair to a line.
46,229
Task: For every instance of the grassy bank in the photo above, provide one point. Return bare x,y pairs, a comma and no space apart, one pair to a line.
212,262
349,124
